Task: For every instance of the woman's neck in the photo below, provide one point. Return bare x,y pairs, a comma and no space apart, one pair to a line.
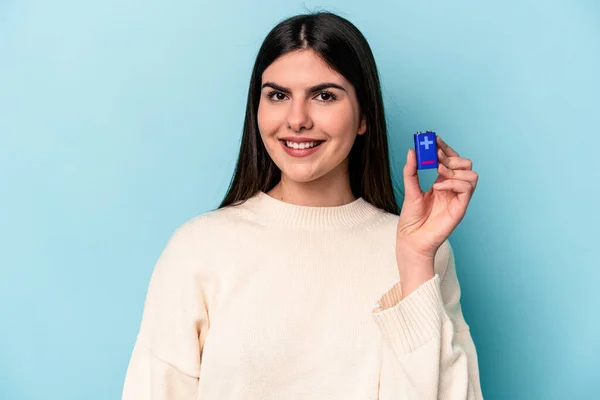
313,194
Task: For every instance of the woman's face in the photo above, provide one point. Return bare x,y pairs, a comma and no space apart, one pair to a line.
290,109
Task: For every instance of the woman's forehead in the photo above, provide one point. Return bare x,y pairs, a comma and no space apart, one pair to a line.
304,68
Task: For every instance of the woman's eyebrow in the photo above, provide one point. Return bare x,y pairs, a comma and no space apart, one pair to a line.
312,89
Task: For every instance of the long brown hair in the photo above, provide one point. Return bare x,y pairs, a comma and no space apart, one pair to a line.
346,50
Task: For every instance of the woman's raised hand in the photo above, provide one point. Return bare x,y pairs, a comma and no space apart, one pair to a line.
428,218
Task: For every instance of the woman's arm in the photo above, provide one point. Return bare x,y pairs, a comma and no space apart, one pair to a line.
165,362
430,352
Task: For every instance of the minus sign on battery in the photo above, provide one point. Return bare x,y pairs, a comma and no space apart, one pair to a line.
428,162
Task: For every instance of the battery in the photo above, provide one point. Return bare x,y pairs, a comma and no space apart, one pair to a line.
426,150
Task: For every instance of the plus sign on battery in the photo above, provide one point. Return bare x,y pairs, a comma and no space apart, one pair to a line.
426,143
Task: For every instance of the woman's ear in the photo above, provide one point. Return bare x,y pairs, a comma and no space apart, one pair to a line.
363,126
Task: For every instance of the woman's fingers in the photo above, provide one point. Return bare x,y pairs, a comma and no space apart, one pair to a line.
455,185
454,162
460,201
450,158
412,188
462,175
446,149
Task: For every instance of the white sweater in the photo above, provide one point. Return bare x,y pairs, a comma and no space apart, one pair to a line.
270,300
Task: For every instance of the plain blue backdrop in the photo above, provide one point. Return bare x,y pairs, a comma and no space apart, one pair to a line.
120,120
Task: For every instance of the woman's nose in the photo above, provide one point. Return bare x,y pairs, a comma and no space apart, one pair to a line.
299,115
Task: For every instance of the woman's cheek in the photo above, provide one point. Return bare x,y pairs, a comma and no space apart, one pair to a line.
335,123
268,119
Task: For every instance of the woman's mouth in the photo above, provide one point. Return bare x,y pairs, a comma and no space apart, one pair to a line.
303,149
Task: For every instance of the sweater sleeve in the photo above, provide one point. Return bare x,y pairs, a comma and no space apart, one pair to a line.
166,357
428,351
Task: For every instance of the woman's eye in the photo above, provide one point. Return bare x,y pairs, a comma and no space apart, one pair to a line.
328,96
278,96
325,97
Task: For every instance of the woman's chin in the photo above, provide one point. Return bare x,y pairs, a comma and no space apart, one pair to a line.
300,176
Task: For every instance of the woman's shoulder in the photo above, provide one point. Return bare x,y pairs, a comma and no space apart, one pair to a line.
209,223
199,240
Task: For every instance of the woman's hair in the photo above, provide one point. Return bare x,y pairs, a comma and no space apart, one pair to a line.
343,47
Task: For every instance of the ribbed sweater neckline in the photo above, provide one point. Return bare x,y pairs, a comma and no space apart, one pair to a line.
277,212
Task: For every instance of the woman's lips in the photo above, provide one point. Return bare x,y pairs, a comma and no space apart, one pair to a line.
300,152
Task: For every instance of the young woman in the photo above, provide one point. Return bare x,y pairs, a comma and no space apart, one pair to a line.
308,282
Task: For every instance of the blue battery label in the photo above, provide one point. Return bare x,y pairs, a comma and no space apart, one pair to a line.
426,150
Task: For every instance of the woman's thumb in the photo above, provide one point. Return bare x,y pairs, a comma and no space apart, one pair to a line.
412,188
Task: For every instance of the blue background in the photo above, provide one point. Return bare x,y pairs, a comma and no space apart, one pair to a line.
120,120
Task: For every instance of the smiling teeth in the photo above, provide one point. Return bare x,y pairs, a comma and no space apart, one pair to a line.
305,145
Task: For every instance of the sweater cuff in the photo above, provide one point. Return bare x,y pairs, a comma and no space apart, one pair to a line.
413,320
